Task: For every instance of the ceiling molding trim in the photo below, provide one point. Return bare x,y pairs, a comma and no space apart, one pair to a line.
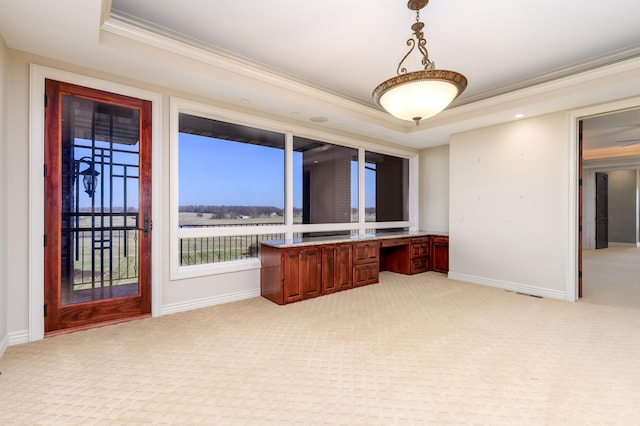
577,68
524,96
152,35
509,96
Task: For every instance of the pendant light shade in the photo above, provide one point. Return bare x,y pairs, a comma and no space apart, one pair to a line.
420,94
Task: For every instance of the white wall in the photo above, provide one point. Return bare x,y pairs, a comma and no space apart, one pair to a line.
4,332
509,208
176,295
17,128
434,189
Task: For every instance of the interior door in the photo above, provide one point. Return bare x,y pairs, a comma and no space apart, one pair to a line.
580,188
97,207
602,210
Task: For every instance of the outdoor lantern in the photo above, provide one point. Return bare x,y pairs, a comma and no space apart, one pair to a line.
89,176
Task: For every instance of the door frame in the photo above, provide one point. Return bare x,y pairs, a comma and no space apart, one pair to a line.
575,157
38,74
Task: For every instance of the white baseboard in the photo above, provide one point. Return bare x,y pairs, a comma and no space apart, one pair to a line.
515,287
18,337
209,301
614,244
4,344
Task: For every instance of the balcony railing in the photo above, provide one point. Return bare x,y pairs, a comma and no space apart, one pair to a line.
202,250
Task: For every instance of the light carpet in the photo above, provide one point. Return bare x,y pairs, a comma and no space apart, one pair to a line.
611,276
416,349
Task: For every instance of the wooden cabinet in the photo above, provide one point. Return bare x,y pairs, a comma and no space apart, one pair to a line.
439,247
293,273
419,255
395,255
366,267
337,266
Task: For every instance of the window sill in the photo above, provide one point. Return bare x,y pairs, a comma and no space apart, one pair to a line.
194,271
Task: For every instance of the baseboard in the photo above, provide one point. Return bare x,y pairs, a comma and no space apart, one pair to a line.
614,244
209,301
18,337
4,344
515,287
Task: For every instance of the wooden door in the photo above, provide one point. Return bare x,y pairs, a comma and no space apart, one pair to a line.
602,210
97,207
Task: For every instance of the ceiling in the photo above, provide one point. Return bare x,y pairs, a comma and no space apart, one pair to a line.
316,63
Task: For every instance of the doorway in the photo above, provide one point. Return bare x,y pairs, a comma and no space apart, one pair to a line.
610,160
97,257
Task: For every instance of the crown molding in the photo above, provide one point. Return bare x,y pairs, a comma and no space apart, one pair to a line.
150,34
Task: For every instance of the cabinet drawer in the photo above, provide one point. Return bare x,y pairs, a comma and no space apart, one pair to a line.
394,242
440,240
420,240
419,249
366,273
366,252
419,264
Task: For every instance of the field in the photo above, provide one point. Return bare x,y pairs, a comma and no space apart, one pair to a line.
114,258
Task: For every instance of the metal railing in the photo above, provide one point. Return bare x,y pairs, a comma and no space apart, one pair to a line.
104,257
202,250
205,250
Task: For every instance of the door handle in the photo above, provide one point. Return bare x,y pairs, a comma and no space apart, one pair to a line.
147,225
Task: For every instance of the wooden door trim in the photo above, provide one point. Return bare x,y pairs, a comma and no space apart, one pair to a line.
112,309
33,328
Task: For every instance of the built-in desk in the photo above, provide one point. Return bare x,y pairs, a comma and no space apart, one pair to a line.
304,268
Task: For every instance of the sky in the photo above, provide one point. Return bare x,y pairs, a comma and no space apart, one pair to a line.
220,172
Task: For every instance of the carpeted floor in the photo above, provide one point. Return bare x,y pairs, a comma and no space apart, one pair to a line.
611,276
410,350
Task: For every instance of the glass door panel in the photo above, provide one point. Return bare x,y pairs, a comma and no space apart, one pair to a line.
100,201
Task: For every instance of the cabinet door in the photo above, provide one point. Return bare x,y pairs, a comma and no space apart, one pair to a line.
419,246
366,252
344,266
419,264
291,275
329,269
301,274
336,267
440,254
366,273
309,276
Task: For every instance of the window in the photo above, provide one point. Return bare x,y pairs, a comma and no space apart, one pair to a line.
325,183
234,185
386,188
229,175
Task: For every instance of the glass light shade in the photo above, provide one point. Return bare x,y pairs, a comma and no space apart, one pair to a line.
418,95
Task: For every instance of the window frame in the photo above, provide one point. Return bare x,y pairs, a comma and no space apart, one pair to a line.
179,105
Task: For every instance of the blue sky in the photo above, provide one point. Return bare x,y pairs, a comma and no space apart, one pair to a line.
220,172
